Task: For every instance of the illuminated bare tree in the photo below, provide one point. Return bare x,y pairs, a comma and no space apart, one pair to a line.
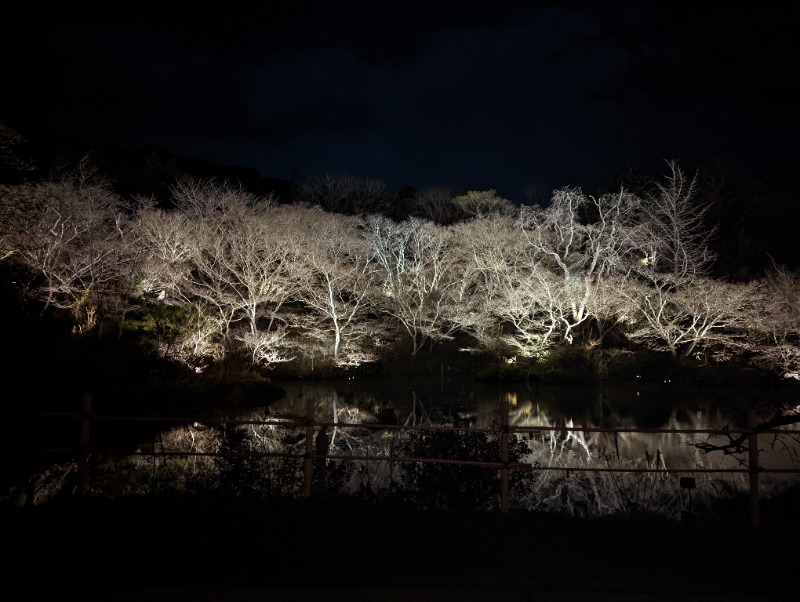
679,305
242,259
490,249
680,235
773,320
767,339
416,264
531,303
73,236
681,316
167,244
207,198
476,203
267,347
339,276
575,242
513,280
165,238
610,309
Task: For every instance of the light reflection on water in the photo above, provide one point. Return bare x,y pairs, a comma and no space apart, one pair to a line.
580,466
627,405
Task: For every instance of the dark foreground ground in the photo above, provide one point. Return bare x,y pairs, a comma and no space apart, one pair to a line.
191,549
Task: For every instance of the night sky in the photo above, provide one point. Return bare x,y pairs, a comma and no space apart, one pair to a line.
514,96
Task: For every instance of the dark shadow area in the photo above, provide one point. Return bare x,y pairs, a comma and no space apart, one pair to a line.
331,544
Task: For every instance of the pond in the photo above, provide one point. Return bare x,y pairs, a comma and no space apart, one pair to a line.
578,449
576,444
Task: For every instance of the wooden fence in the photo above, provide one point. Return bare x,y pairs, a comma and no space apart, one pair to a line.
315,448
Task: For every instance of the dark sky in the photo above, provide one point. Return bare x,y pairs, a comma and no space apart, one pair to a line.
469,94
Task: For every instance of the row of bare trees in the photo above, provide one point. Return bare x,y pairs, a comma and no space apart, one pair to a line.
223,271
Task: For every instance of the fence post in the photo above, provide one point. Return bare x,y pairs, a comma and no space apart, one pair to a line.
308,466
321,469
83,452
504,455
752,445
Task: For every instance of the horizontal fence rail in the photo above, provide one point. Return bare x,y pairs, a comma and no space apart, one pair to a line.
312,455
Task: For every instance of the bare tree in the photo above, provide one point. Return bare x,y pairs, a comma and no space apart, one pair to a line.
436,204
339,276
532,302
205,198
773,320
680,235
575,242
679,305
490,250
549,272
476,203
767,340
242,260
165,239
12,160
347,194
681,316
416,265
72,235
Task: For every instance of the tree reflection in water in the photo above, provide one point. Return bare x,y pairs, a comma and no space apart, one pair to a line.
558,433
639,471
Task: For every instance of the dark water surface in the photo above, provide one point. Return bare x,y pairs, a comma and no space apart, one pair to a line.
652,406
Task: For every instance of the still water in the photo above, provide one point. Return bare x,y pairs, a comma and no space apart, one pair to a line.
630,405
